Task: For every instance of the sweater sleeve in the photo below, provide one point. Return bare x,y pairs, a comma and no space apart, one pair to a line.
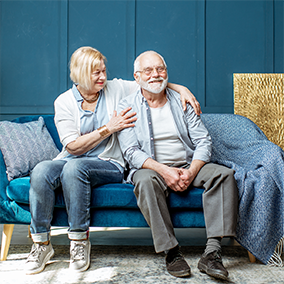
124,87
65,119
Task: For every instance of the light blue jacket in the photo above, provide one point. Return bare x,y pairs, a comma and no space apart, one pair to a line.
137,143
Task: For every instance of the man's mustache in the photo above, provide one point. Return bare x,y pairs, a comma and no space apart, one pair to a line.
155,80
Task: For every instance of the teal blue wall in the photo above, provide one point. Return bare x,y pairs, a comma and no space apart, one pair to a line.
204,42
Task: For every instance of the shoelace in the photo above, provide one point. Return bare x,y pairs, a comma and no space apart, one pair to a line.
36,252
77,252
175,256
217,256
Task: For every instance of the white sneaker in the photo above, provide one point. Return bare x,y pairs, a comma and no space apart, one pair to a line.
80,255
38,257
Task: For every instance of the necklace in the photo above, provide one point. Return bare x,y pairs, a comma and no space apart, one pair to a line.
92,100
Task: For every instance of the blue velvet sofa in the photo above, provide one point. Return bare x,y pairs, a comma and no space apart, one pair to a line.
112,205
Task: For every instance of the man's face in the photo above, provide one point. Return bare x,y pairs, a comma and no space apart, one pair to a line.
153,76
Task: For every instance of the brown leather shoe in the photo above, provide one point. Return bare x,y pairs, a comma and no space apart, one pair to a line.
213,266
176,264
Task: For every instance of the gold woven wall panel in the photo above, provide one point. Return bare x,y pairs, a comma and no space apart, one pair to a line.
260,97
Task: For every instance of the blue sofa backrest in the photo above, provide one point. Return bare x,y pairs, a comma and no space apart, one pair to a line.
218,126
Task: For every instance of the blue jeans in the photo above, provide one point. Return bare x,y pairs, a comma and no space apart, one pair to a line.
77,177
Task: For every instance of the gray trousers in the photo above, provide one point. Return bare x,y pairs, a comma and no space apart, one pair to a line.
220,203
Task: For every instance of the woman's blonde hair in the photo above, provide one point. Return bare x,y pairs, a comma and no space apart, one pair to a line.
83,62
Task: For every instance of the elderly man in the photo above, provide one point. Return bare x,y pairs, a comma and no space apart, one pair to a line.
169,149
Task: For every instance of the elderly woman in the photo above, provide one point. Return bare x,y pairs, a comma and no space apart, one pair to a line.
87,123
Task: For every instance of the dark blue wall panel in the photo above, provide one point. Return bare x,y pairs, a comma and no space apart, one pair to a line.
279,36
176,31
32,56
108,26
239,39
204,42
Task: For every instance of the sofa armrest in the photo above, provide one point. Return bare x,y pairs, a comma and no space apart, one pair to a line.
3,178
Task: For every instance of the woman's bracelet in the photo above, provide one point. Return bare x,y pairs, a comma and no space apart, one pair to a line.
104,131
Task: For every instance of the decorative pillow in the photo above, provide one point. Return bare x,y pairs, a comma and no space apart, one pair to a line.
24,145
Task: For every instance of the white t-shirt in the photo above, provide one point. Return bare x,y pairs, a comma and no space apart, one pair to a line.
168,147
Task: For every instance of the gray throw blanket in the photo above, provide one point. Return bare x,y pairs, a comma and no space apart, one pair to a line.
239,144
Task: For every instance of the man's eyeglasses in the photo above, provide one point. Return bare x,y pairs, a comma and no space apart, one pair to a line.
149,71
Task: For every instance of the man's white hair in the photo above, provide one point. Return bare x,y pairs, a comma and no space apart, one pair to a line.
137,60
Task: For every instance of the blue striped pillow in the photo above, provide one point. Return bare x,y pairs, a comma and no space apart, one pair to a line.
24,145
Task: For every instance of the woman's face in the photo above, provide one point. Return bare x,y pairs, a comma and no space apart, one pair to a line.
98,77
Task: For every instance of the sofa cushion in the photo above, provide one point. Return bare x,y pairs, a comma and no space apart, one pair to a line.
191,198
108,196
24,145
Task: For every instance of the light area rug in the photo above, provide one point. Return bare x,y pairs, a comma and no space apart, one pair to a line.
134,264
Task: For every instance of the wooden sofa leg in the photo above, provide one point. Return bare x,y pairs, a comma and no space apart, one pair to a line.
6,240
252,258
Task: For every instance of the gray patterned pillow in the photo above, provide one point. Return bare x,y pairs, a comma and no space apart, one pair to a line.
24,145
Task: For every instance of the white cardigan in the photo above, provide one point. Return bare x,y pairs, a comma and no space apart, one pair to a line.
67,117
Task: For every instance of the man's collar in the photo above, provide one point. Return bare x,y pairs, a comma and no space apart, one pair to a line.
142,98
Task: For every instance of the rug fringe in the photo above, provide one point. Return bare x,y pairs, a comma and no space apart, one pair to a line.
276,259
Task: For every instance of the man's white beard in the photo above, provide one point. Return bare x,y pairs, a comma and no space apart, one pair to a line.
157,87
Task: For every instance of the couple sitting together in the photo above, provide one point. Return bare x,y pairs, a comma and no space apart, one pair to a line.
146,123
